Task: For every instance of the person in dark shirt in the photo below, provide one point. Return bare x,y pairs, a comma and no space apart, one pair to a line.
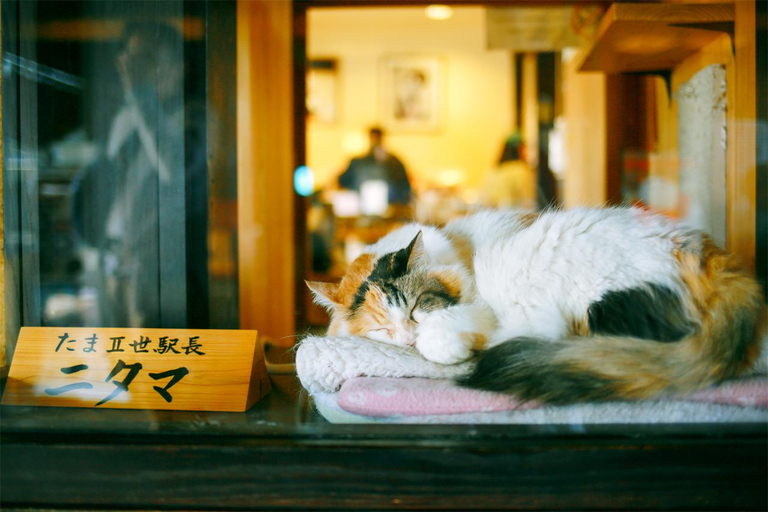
378,164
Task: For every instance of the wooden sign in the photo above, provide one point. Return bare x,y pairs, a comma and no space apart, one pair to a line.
190,370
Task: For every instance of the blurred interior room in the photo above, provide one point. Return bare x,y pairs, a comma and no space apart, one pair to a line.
599,113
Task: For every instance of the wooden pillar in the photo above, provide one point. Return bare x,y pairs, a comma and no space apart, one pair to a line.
742,137
585,136
265,167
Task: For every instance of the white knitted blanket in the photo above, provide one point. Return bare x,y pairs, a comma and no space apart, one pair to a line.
324,363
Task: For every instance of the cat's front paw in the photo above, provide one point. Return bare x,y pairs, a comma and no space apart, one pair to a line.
439,343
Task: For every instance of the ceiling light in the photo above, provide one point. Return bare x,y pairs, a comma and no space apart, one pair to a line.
439,12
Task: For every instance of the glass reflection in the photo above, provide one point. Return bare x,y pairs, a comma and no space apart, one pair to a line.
107,150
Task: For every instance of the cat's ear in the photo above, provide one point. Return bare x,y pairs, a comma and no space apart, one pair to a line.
416,251
325,294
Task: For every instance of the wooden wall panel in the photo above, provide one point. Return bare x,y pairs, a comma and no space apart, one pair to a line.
265,167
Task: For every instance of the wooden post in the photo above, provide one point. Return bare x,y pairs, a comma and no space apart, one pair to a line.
584,102
742,138
265,167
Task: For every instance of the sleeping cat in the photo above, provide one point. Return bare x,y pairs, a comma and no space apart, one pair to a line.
565,306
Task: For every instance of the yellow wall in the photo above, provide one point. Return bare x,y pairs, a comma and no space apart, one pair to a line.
478,110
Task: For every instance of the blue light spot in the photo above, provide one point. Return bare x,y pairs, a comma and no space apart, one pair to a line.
304,181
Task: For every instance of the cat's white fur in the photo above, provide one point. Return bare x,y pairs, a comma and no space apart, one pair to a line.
439,249
531,281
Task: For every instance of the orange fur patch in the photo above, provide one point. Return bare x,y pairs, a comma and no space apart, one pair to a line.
372,314
464,248
641,386
356,275
635,369
475,339
451,281
579,326
723,295
706,276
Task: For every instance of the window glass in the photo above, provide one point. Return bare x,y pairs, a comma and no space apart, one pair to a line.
119,175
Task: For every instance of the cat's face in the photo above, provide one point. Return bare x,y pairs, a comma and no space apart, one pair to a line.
384,299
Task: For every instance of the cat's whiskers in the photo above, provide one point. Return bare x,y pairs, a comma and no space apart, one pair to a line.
404,349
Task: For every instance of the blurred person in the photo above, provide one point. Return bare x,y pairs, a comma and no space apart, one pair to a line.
378,164
512,183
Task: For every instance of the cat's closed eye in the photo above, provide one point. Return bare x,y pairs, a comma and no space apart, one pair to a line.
430,301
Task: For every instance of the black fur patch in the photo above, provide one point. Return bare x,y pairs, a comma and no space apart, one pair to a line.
435,296
359,297
653,312
526,368
393,265
435,299
389,267
395,297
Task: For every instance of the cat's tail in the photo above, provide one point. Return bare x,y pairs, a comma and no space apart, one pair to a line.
726,304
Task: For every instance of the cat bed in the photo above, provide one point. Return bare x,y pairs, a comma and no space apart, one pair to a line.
354,380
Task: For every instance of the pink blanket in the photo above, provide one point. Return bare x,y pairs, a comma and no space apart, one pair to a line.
385,396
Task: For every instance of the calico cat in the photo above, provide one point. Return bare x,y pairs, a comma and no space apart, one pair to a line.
565,306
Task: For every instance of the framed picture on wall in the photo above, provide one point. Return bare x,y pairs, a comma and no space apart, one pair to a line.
411,93
322,90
